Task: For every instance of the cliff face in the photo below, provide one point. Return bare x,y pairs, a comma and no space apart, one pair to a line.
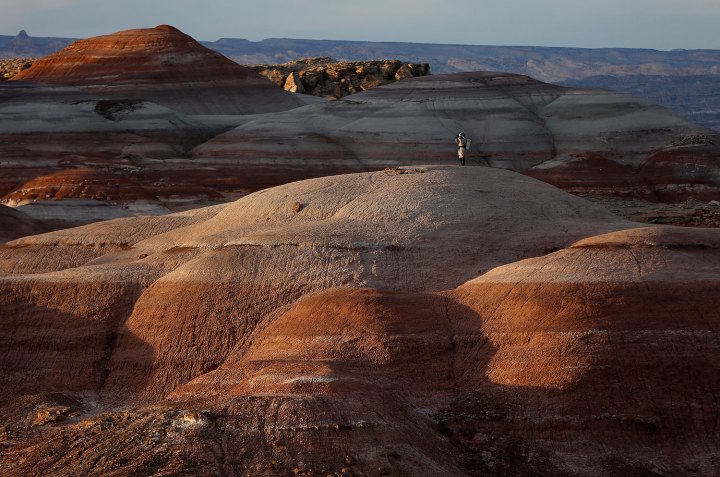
327,78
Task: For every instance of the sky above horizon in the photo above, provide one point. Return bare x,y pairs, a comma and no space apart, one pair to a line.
658,24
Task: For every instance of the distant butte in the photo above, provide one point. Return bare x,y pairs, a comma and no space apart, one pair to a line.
162,65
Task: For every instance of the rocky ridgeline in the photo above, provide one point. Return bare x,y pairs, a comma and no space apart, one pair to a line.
13,66
328,78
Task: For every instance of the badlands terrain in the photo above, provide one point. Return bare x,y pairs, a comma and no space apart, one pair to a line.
271,283
685,81
391,324
150,121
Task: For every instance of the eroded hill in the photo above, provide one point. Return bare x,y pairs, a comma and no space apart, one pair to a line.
350,324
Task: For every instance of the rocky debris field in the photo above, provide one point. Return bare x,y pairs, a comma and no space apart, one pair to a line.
13,66
332,79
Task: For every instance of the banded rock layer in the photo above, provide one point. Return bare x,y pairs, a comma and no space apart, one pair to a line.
123,108
581,140
162,65
304,329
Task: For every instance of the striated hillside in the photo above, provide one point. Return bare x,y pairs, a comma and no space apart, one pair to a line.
80,128
15,224
671,78
304,330
162,65
695,97
584,141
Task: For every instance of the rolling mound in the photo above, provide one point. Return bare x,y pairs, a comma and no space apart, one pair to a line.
581,140
612,341
162,65
93,154
598,359
151,282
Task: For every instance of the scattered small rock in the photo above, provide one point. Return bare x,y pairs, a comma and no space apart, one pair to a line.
297,207
52,415
13,66
398,171
692,140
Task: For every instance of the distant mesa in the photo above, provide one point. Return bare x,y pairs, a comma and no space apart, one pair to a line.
162,65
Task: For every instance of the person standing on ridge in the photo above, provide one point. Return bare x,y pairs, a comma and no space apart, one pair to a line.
463,144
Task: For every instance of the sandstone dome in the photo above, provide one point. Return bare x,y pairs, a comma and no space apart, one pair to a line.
594,359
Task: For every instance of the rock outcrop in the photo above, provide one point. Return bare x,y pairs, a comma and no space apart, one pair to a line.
585,141
13,66
332,79
162,65
264,338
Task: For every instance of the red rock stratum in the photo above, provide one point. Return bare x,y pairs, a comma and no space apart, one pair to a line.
304,330
162,65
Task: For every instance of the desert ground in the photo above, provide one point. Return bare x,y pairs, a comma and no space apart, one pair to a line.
206,271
